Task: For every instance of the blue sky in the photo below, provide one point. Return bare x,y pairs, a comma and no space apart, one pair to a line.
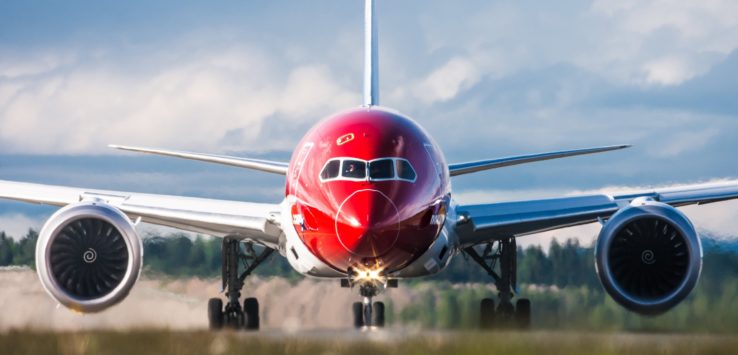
486,78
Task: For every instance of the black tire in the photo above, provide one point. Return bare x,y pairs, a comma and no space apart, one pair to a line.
251,313
215,313
487,313
378,315
358,309
522,313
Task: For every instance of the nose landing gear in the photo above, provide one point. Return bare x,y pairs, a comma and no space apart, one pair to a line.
233,315
368,314
503,253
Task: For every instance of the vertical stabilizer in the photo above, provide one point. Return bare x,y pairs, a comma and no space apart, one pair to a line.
371,74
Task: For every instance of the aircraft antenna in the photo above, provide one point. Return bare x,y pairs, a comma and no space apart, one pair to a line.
371,73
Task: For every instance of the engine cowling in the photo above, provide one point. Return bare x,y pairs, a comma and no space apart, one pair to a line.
648,257
88,256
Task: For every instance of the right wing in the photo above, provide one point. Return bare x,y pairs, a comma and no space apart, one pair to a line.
268,166
258,222
485,222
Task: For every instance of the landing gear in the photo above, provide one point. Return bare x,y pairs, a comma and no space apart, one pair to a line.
235,253
368,313
501,255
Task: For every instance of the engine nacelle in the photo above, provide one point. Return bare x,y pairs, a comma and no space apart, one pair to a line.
88,256
648,257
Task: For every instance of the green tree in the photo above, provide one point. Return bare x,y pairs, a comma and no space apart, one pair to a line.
25,251
6,250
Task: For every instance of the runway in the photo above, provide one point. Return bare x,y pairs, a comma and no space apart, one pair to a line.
388,341
307,317
181,304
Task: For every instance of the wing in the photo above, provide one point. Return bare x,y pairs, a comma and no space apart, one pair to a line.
268,166
474,166
480,223
255,221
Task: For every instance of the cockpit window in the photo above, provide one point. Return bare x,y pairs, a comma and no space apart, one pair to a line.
353,169
405,171
381,169
331,169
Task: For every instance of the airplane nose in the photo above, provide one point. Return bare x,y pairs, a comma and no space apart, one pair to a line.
368,223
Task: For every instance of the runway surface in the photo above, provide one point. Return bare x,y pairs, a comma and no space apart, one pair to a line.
389,341
181,304
307,317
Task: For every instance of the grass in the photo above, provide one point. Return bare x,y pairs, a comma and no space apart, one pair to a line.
394,341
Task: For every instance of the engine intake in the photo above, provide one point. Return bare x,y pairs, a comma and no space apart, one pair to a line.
648,257
88,256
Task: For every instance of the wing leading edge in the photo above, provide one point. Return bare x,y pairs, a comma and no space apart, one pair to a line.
484,222
254,221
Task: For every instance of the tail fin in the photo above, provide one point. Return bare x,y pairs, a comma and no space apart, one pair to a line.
371,74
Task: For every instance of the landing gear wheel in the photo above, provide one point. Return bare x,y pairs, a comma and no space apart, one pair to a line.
251,313
378,320
487,313
358,309
522,313
215,313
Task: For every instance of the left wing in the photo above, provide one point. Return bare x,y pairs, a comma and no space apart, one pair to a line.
480,223
258,222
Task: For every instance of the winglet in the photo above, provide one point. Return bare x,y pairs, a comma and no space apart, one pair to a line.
474,166
256,164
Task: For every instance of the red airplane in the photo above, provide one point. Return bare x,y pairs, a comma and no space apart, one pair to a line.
368,202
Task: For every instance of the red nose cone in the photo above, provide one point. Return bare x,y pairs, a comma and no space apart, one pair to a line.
368,223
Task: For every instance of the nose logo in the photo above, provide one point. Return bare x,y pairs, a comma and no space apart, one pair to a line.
368,223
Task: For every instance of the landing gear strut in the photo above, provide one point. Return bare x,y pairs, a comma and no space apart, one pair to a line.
234,254
501,255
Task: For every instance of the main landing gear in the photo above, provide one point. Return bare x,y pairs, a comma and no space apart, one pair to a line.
235,253
499,259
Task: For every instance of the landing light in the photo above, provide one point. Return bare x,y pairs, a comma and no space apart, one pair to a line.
370,275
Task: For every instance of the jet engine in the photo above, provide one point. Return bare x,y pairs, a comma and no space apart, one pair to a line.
648,257
88,256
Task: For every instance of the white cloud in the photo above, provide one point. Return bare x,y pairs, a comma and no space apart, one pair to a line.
639,33
667,71
194,101
447,81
